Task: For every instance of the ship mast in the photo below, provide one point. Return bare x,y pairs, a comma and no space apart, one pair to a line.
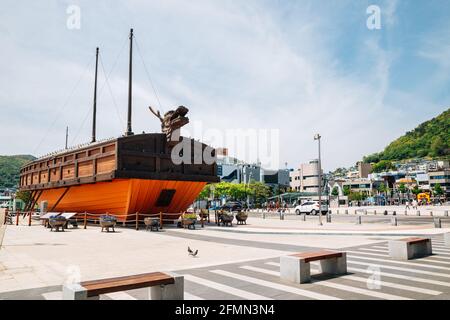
94,112
130,87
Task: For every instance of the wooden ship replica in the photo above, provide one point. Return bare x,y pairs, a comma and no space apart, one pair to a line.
125,175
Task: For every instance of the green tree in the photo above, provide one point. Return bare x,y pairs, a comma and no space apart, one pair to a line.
383,165
415,190
437,190
335,191
25,196
402,188
346,190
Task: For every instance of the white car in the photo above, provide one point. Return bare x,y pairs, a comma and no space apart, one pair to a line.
311,207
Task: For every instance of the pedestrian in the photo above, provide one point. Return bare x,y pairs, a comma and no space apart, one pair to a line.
414,204
407,205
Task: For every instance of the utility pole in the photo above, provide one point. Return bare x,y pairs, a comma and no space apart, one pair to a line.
319,167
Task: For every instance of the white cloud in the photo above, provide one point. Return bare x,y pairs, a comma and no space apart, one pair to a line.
233,63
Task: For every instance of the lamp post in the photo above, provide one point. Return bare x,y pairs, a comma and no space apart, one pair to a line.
319,167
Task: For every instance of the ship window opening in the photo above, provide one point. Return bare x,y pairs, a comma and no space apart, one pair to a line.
165,197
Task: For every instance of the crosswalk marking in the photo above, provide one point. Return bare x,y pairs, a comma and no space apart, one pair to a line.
400,268
412,264
224,288
437,257
356,278
403,277
54,295
370,293
276,286
434,250
337,286
190,296
428,259
120,296
386,274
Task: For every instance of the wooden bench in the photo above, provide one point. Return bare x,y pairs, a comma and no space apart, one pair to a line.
164,286
409,248
296,267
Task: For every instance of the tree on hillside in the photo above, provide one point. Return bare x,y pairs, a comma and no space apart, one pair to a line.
383,165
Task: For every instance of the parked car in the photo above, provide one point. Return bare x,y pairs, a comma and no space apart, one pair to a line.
311,207
232,206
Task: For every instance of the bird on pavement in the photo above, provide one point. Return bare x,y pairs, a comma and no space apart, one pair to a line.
192,253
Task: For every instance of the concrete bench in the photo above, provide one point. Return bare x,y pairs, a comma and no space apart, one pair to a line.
409,248
447,239
164,286
296,268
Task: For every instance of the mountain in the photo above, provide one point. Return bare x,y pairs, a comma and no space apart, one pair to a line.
10,168
430,139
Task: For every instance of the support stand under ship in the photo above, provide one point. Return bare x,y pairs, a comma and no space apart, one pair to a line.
129,174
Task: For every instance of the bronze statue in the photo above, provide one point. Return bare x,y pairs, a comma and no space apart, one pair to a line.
172,121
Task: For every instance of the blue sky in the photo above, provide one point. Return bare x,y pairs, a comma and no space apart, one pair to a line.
297,66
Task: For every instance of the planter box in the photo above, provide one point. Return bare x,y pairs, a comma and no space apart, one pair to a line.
56,224
107,223
241,218
152,223
189,223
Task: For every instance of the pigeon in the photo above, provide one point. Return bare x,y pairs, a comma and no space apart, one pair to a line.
192,253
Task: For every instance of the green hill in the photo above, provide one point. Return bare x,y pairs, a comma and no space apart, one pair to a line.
10,168
430,139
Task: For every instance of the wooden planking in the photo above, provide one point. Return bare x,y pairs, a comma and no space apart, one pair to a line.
102,286
85,169
318,255
106,164
122,196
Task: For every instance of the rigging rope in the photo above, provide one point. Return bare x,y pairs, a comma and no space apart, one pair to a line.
101,90
148,74
122,122
63,106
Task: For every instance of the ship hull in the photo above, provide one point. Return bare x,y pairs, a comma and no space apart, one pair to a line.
123,197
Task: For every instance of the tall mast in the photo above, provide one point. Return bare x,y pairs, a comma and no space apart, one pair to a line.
67,135
130,86
94,112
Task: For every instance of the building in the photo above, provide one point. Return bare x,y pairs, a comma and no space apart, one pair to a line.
306,177
441,177
364,169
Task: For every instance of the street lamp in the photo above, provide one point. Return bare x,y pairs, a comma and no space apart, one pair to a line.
317,137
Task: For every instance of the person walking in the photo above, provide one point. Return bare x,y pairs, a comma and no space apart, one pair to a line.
407,205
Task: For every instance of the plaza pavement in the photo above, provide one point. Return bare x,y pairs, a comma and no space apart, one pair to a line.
239,262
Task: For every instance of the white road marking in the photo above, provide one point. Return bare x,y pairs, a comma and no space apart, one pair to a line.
387,274
371,293
402,263
120,296
55,295
412,270
434,250
432,259
356,278
190,296
224,288
276,286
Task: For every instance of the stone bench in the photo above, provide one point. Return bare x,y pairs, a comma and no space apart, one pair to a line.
296,268
409,248
164,286
447,239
